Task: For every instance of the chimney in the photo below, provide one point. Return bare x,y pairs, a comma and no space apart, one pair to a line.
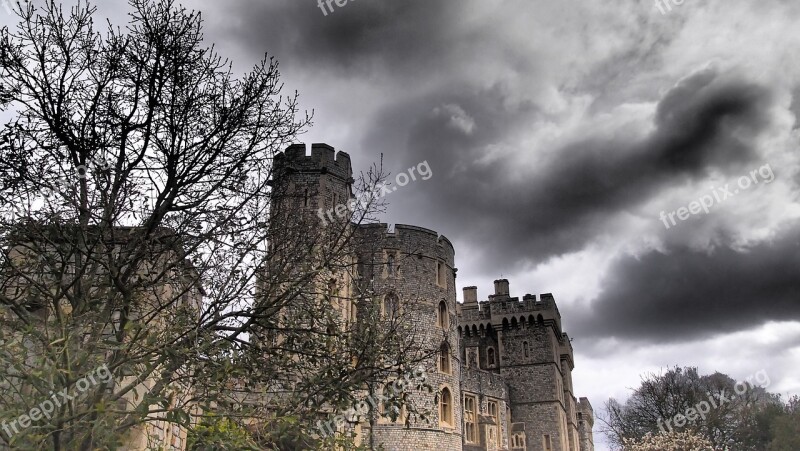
501,287
470,295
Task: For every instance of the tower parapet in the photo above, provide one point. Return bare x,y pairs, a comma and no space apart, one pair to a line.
585,424
502,307
324,159
414,240
305,186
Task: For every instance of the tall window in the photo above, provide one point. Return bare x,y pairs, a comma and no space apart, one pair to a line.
492,434
492,411
389,412
333,289
548,443
443,319
492,408
391,306
490,359
441,279
444,358
446,407
469,420
329,338
525,349
390,265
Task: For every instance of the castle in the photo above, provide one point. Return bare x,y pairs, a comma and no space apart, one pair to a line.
503,372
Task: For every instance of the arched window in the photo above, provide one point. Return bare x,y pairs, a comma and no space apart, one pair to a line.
330,337
443,319
490,357
518,441
333,289
525,349
391,306
390,265
444,358
446,407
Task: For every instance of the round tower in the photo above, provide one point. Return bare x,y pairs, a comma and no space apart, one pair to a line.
412,268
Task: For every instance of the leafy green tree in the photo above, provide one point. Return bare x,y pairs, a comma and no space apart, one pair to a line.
218,434
786,428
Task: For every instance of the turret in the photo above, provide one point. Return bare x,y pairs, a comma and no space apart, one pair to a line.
308,187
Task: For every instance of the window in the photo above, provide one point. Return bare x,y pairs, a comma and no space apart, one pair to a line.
390,265
492,435
490,357
492,411
389,412
518,440
446,408
525,349
441,280
391,306
330,338
444,358
559,390
492,407
469,420
333,289
548,444
443,319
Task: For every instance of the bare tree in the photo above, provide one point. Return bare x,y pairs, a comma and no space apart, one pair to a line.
681,400
141,236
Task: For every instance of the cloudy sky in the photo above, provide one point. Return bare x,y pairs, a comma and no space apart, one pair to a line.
557,133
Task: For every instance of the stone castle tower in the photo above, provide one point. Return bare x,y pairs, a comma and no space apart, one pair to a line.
503,368
522,342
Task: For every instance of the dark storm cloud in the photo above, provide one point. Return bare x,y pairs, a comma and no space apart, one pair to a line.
708,121
686,294
357,38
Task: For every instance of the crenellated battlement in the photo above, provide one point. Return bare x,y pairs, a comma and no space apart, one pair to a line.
502,310
323,159
509,306
411,238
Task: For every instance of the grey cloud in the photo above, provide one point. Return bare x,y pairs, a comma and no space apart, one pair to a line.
708,121
686,294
